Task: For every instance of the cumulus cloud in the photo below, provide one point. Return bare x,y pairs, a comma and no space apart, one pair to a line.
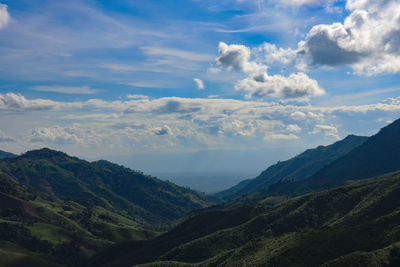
259,84
199,83
183,123
298,115
237,57
11,101
4,16
274,54
368,40
295,86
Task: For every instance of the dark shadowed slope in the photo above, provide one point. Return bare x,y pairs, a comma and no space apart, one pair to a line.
345,225
4,154
379,154
301,167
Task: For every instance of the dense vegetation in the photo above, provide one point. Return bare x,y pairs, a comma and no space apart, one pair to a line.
346,226
59,209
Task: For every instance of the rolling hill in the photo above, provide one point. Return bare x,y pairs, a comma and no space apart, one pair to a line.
345,226
58,209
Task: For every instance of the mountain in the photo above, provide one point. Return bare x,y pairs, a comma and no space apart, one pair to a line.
301,167
57,209
378,155
353,225
4,154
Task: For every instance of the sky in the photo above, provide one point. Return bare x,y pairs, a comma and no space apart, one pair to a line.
190,85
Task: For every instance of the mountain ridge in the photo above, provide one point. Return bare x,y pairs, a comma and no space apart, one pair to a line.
300,167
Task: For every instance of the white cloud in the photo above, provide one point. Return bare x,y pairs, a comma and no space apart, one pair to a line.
293,128
273,54
298,115
328,130
4,16
265,86
11,101
237,57
173,123
83,90
368,40
199,83
261,85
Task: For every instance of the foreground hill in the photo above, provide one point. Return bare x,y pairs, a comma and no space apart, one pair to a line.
299,168
59,209
354,225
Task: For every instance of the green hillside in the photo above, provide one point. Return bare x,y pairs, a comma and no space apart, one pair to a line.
145,199
301,167
350,225
57,209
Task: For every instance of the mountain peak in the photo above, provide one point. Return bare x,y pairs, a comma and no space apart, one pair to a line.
45,153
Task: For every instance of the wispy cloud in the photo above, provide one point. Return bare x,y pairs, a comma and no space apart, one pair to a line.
80,90
182,54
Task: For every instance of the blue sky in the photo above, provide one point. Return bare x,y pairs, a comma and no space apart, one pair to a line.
128,78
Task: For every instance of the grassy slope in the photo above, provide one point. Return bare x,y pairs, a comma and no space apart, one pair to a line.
318,228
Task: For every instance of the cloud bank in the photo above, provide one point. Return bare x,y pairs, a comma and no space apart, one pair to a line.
175,124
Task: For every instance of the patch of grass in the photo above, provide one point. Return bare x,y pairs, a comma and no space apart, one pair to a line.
51,233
